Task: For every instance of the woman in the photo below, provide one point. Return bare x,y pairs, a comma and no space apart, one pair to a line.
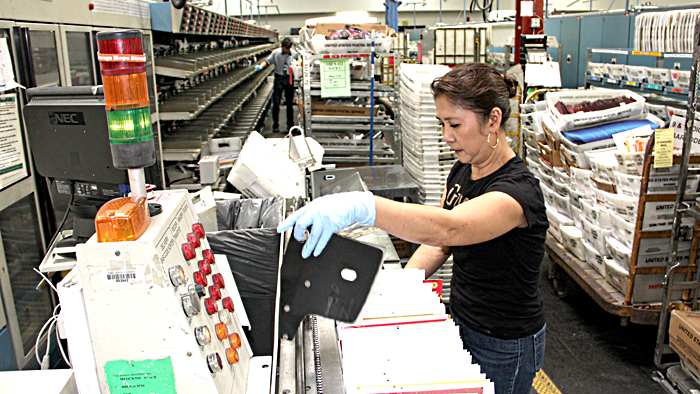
492,220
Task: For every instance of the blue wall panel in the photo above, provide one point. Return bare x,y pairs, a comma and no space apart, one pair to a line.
569,40
590,37
553,29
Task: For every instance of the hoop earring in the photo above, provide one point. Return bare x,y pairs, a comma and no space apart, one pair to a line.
488,142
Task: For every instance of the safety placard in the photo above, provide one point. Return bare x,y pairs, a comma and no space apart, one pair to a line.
13,166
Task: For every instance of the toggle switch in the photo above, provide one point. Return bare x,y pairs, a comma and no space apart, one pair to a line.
190,303
177,275
215,363
203,335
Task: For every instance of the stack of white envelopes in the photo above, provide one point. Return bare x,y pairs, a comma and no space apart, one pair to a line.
406,343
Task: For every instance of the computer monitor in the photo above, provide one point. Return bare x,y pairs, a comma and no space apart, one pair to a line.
68,135
69,140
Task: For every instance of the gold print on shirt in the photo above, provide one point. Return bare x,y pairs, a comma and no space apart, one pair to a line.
454,197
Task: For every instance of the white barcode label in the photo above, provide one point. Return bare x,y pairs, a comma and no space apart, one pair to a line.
127,276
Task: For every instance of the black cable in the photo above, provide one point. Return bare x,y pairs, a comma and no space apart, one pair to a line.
65,216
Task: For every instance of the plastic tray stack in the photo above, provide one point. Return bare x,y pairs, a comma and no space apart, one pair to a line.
426,156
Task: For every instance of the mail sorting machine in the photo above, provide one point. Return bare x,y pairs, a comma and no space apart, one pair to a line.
381,352
161,313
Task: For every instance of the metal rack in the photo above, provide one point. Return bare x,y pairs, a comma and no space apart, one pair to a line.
205,77
326,129
638,58
692,282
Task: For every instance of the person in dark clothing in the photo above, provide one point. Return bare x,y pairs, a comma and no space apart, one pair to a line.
492,220
281,58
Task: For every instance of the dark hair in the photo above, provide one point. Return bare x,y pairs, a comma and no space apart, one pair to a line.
286,42
477,87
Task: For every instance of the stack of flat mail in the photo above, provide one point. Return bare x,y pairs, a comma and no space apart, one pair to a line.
390,351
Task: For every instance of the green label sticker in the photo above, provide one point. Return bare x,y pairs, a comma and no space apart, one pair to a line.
140,377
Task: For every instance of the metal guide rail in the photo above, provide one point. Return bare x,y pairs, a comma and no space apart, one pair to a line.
194,101
187,142
190,64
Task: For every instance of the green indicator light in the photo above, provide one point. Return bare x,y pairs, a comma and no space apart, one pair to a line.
655,87
130,126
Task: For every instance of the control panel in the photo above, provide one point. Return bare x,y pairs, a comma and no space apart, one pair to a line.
163,314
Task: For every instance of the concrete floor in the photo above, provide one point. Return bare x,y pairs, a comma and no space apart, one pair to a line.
588,351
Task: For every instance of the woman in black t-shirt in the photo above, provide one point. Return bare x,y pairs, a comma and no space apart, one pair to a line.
492,220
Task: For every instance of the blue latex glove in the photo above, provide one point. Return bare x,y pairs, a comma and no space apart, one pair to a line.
327,215
258,67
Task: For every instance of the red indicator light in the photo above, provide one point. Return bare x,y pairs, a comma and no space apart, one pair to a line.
228,304
219,280
232,355
123,43
200,278
221,331
677,90
205,267
199,229
214,292
188,251
210,306
208,255
194,239
235,340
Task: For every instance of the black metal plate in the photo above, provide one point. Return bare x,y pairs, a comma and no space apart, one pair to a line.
314,286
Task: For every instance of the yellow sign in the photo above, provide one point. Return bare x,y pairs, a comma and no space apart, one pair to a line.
663,148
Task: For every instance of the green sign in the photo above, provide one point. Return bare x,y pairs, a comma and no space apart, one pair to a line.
140,377
335,77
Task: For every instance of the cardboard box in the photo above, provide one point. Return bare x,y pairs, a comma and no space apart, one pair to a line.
318,108
684,337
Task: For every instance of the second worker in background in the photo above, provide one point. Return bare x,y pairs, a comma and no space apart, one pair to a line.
281,59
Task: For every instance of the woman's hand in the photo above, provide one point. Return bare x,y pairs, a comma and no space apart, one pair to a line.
327,215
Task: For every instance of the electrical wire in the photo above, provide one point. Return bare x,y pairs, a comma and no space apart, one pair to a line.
65,216
50,322
46,279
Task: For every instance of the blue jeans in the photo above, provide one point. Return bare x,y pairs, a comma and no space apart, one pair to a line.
511,364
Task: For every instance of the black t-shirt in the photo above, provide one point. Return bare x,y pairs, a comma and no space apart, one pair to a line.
495,283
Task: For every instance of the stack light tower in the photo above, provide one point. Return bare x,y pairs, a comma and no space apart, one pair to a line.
123,70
